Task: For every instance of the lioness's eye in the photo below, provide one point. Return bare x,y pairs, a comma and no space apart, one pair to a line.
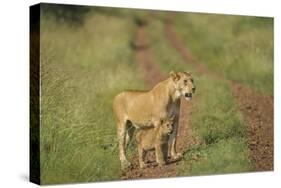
185,81
191,80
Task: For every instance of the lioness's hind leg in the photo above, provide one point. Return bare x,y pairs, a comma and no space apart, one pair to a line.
130,129
121,133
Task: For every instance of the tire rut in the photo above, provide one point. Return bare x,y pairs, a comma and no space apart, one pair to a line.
256,108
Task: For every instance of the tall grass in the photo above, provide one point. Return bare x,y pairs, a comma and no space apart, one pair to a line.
82,68
215,119
239,47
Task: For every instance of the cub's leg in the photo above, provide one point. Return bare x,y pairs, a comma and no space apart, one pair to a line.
159,155
141,157
121,130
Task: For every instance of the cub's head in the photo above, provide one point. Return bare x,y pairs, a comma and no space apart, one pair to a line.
166,126
184,84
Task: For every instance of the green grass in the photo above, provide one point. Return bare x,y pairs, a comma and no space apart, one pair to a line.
82,68
239,47
226,156
215,117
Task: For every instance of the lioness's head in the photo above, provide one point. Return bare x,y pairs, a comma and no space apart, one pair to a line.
166,126
184,84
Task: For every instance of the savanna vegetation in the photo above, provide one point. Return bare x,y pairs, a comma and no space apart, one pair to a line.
238,47
87,58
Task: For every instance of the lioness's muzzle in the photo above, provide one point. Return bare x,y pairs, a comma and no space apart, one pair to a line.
170,132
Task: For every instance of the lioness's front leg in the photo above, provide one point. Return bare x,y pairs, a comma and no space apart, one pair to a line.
173,141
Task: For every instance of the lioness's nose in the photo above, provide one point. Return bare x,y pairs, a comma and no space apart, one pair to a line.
188,95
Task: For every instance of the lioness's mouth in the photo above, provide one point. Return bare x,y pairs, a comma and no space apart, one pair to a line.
188,96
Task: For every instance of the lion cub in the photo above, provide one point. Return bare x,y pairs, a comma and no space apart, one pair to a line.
155,138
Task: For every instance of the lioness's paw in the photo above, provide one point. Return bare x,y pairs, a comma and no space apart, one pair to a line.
143,165
125,165
177,156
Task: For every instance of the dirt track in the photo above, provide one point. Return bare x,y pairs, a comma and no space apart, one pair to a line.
257,109
152,75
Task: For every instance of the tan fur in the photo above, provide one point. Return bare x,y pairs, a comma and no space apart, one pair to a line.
143,108
155,138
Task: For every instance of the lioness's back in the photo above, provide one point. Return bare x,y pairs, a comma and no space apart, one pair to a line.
122,99
136,106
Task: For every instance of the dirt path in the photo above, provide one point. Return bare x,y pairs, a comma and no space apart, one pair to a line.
256,108
258,112
152,75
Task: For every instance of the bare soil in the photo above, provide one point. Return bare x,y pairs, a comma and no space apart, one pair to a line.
258,113
150,71
256,108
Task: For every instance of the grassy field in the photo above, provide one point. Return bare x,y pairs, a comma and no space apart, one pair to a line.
239,47
215,117
85,63
83,66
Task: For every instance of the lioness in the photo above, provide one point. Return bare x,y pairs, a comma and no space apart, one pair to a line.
155,138
143,108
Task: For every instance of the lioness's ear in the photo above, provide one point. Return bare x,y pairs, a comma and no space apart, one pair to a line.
189,73
174,76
